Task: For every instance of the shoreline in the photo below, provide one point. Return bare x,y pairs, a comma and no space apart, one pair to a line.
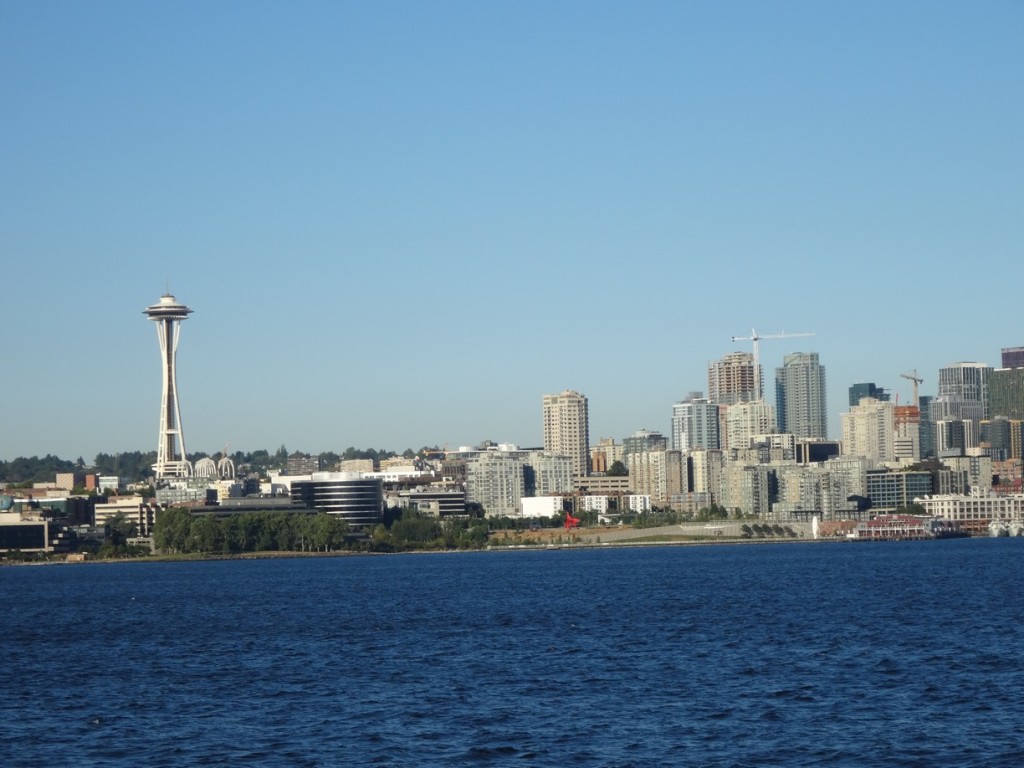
552,547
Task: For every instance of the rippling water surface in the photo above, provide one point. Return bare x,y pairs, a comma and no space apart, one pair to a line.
791,655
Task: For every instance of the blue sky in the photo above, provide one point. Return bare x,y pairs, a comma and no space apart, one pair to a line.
402,223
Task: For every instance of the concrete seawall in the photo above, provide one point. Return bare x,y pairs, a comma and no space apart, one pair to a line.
724,530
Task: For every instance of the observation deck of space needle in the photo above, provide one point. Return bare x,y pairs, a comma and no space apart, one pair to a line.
171,459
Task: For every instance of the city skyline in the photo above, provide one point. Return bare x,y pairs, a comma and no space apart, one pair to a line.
391,220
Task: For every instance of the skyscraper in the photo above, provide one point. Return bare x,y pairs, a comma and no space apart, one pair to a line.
1006,393
1013,357
927,428
644,440
869,430
171,460
695,424
963,393
731,380
744,421
567,428
800,396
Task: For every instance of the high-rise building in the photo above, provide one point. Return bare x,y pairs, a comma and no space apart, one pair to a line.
1002,437
658,474
745,420
695,424
547,474
800,396
705,472
954,436
868,431
1013,357
963,393
567,428
1006,393
495,480
746,489
171,460
977,468
644,440
907,432
867,389
731,380
806,490
927,428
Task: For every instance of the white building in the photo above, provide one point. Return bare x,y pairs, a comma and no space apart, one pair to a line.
707,472
745,420
108,483
548,473
567,428
868,431
495,481
974,511
963,392
637,503
695,424
597,504
132,508
542,506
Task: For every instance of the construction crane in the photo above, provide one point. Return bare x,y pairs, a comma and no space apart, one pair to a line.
912,376
756,339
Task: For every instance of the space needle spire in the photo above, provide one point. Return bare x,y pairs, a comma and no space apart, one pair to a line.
170,453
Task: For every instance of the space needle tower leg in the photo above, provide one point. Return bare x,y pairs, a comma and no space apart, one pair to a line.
170,453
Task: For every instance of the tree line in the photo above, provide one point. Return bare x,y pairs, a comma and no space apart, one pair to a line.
177,531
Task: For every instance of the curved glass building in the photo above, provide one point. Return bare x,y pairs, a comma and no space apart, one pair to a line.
360,501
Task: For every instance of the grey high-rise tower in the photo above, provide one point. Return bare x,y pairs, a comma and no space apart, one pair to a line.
963,392
695,424
170,453
800,396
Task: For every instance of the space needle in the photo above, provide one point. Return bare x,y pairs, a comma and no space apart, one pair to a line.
170,453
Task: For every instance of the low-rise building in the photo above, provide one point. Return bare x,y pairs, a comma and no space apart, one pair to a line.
543,506
976,511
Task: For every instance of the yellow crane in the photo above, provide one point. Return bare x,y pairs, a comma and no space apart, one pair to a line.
912,376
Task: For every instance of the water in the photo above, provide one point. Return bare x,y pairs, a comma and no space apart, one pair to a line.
905,654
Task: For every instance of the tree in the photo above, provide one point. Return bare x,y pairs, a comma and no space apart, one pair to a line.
617,469
119,529
912,509
205,535
172,530
713,512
